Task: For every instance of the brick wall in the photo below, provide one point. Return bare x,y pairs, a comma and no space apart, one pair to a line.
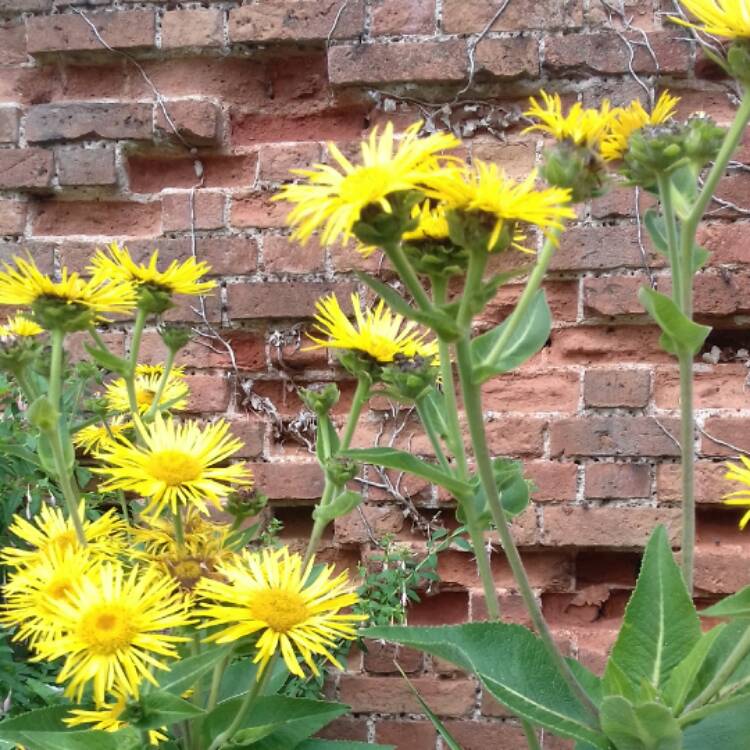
253,90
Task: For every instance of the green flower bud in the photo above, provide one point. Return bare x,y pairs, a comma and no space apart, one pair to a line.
54,313
409,378
340,470
154,299
378,228
18,353
567,165
435,258
243,504
321,398
175,336
43,414
360,365
479,229
653,151
738,59
702,139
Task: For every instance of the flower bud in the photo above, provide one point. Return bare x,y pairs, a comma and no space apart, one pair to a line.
174,336
653,151
408,378
702,139
18,353
360,365
339,470
436,259
53,313
154,299
320,399
245,504
378,228
567,165
43,414
479,229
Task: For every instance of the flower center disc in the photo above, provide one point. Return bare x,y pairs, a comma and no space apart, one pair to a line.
144,396
280,610
173,467
107,628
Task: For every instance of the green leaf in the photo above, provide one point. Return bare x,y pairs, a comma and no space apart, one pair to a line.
514,490
327,444
728,729
654,224
160,708
700,256
680,333
736,605
649,726
107,360
341,745
390,458
684,675
184,673
513,665
684,189
530,336
344,503
661,625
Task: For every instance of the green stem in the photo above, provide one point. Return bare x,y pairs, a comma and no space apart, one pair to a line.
531,738
527,296
475,419
250,697
30,391
135,347
670,222
55,369
474,274
168,363
433,436
124,508
98,340
404,269
216,677
687,449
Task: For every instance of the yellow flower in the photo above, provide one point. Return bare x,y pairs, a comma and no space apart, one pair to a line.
740,498
379,333
584,127
485,189
114,627
179,464
727,18
52,531
628,120
20,327
33,589
107,719
334,200
433,223
147,379
177,278
26,284
94,436
294,611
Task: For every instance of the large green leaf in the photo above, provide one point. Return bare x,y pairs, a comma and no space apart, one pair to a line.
513,665
736,605
724,730
529,337
661,625
391,458
649,726
160,708
680,333
183,674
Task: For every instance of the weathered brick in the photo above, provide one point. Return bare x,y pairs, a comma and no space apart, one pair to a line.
640,14
398,63
378,519
471,16
198,121
533,391
617,481
403,17
150,173
474,735
43,253
25,168
229,255
281,254
289,480
598,248
710,483
612,436
596,344
258,210
613,295
86,166
732,430
113,219
507,58
9,117
69,32
345,728
554,482
298,21
726,242
191,28
418,735
716,568
562,298
26,6
715,387
250,431
53,122
208,210
616,387
607,526
516,436
277,159
12,44
12,216
208,393
292,299
252,128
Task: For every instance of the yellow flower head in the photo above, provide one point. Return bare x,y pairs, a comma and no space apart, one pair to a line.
628,120
20,327
106,718
177,278
93,437
179,464
26,284
33,589
379,333
433,223
114,627
293,611
147,379
584,127
485,189
727,18
51,531
335,198
740,498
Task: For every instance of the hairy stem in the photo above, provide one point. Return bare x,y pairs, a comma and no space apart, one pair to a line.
168,363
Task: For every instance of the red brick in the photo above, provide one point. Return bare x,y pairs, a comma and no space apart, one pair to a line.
716,568
41,252
403,17
25,168
258,210
620,202
617,481
194,354
640,14
252,128
249,349
616,387
292,299
406,734
229,255
345,728
12,217
597,344
380,519
734,430
443,608
732,188
86,166
562,298
277,159
208,393
12,44
471,16
53,122
722,386
289,480
606,527
297,21
9,124
597,248
616,569
208,210
75,344
533,391
612,436
191,28
281,254
198,121
516,436
70,32
378,63
517,156
613,295
250,431
710,484
151,173
554,482
380,657
392,695
24,6
726,242
474,735
720,294
113,219
507,58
